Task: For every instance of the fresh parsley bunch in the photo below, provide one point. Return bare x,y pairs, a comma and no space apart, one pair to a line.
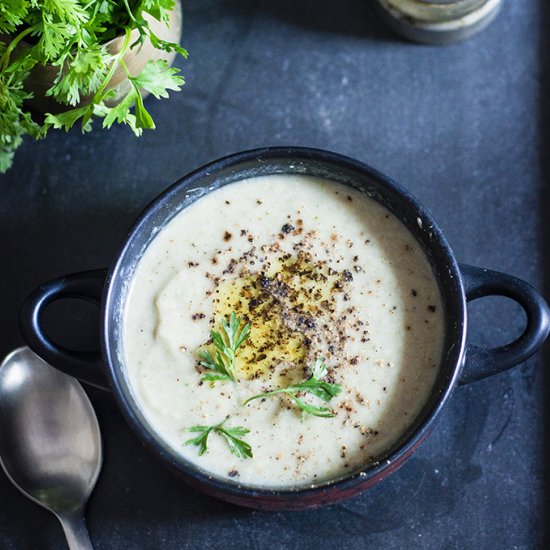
71,35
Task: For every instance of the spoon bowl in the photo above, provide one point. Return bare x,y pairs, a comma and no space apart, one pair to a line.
50,443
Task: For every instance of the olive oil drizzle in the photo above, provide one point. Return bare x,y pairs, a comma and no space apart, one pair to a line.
285,304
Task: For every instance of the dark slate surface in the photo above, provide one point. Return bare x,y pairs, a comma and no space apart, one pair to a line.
463,127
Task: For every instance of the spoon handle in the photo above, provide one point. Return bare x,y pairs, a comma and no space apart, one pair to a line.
76,532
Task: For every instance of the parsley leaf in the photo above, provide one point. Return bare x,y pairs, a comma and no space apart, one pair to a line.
157,77
64,120
159,9
226,343
120,113
160,44
12,14
81,75
201,440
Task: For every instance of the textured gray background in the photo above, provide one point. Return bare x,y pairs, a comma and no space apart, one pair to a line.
463,127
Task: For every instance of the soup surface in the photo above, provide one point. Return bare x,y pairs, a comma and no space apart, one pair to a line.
332,285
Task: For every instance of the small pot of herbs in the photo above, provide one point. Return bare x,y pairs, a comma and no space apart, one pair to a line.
87,51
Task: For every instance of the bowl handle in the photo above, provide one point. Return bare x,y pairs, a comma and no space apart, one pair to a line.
84,365
482,362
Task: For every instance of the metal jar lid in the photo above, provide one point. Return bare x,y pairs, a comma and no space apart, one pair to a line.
438,21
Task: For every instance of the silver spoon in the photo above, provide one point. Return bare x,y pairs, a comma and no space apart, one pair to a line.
50,445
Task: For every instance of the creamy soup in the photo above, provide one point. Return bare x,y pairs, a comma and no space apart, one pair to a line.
324,276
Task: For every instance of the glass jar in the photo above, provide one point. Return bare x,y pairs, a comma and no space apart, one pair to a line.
438,21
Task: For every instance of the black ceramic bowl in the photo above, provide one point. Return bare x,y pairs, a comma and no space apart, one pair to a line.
458,284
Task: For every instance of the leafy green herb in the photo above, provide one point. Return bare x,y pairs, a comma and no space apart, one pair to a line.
226,343
72,36
232,436
314,386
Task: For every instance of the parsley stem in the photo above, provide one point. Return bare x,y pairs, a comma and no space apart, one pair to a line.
5,60
98,96
130,12
125,67
114,64
266,394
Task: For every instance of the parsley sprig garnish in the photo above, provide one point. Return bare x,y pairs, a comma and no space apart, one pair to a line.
226,343
314,385
232,436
